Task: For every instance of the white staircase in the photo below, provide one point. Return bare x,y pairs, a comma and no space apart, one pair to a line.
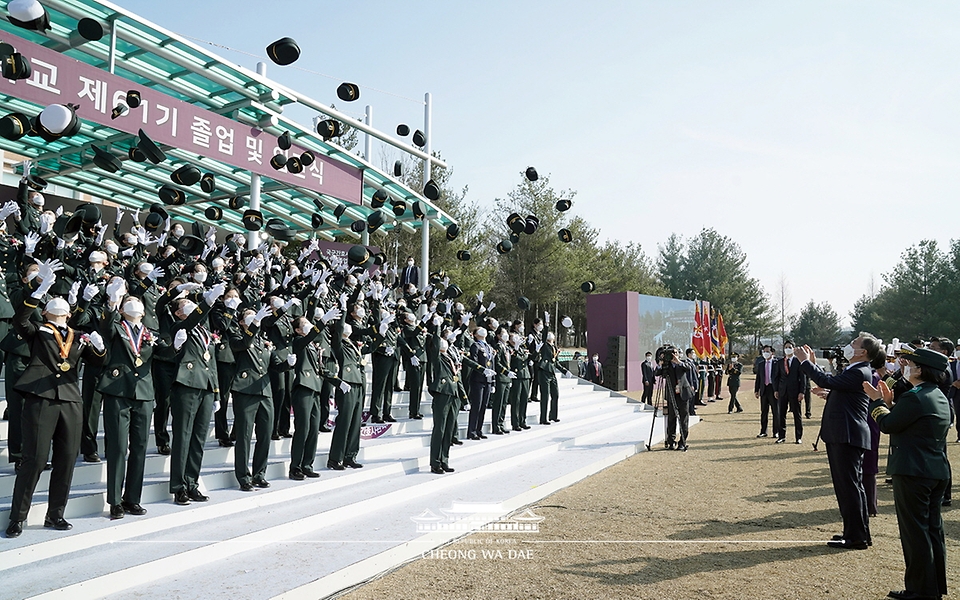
313,538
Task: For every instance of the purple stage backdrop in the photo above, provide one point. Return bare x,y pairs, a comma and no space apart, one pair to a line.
59,79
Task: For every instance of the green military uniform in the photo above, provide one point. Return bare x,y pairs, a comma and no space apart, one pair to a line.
345,444
446,388
307,385
918,425
520,389
17,356
222,320
547,373
501,391
413,343
386,363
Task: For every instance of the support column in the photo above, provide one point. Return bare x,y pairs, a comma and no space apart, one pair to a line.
113,44
253,237
425,227
367,154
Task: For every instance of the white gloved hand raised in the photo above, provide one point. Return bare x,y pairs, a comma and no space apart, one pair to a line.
414,361
179,338
96,340
90,292
72,295
331,315
291,359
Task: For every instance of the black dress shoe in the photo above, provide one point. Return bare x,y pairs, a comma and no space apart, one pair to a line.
946,502
496,432
376,420
389,419
181,498
164,449
847,544
416,417
555,420
507,431
297,475
481,436
116,512
739,410
544,422
349,462
196,496
447,468
260,482
225,443
287,435
524,426
275,437
335,466
682,447
91,458
436,470
325,429
58,524
780,440
14,529
456,442
668,446
761,435
908,595
311,473
472,436
246,486
133,509
516,429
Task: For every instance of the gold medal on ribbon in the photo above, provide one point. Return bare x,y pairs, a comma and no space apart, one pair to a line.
64,366
63,346
138,362
206,356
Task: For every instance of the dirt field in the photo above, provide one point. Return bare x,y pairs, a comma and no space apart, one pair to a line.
735,517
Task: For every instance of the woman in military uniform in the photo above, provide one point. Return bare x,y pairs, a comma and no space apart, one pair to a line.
918,425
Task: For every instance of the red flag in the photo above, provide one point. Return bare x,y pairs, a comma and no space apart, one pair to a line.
723,334
698,341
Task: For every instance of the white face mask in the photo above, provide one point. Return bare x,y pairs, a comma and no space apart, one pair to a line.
734,361
520,329
848,352
178,231
361,313
133,309
38,200
906,371
409,263
538,327
504,337
188,307
649,359
957,353
890,367
766,356
444,345
200,277
788,351
596,359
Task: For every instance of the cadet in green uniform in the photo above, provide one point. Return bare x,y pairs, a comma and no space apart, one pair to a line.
918,425
501,392
520,389
386,362
445,388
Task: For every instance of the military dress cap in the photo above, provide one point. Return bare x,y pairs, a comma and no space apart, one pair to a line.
358,226
565,236
316,220
208,183
403,130
531,174
190,245
418,211
925,357
252,220
150,149
67,224
375,220
523,303
358,255
453,230
419,139
28,14
153,222
452,292
37,183
284,141
57,121
399,207
379,198
284,51
160,210
463,255
278,229
397,168
14,126
514,238
431,191
338,211
171,195
237,202
136,155
588,286
329,128
294,165
532,224
13,65
186,175
89,213
563,205
278,161
307,158
348,92
106,160
134,99
90,29
516,223
504,246
214,213
198,229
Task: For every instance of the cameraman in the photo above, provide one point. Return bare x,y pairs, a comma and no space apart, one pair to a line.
677,392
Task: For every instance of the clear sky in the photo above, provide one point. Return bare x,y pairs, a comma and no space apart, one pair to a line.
823,137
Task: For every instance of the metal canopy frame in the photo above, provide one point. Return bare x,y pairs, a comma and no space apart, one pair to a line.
150,56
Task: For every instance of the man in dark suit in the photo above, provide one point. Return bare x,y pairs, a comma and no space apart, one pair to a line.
594,370
410,274
52,405
765,387
677,394
791,383
845,433
646,373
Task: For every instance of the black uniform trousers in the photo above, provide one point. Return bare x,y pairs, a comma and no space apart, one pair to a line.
191,409
306,428
14,365
733,399
381,394
792,405
126,427
549,397
647,393
346,433
917,500
846,470
479,397
45,422
445,410
251,414
282,384
535,377
768,404
415,384
326,392
225,374
164,374
498,404
519,392
92,404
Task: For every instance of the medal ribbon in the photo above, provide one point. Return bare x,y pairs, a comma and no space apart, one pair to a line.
135,343
64,347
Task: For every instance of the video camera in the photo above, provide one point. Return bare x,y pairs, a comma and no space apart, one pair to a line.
832,353
665,354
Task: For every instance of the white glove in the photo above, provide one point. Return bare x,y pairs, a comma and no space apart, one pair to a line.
331,315
546,318
263,312
30,242
189,287
101,231
343,301
344,387
530,338
96,340
287,279
211,295
206,252
119,216
467,317
480,297
414,361
232,303
61,243
155,274
512,375
128,252
115,290
8,209
256,263
49,267
425,317
45,286
211,233
136,216
488,372
188,308
72,296
179,339
388,350
90,291
437,320
492,306
291,359
291,302
538,346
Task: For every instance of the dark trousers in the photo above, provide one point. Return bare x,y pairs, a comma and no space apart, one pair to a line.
917,500
92,404
789,403
498,404
677,414
306,428
381,394
164,374
445,410
126,427
846,470
549,397
734,403
14,365
191,409
519,392
346,433
281,382
711,381
45,422
479,397
806,402
326,392
415,384
535,378
251,414
718,385
647,393
225,373
768,404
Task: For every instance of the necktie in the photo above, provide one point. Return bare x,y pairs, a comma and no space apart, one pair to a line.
786,365
769,382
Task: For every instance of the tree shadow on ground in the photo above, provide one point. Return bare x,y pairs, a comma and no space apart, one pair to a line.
813,484
778,521
654,568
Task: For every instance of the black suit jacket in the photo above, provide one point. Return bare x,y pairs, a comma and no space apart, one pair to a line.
646,370
790,385
760,369
410,275
844,418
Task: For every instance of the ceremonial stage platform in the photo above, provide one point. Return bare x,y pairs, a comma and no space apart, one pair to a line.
313,538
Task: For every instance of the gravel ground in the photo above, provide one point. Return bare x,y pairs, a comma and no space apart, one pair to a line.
735,517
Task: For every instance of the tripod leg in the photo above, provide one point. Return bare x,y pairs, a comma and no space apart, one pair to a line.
656,404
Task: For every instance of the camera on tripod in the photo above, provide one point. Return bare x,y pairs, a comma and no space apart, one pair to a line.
665,354
832,353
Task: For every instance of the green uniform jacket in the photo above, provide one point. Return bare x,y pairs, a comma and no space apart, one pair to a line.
196,369
446,378
309,370
254,360
918,425
121,376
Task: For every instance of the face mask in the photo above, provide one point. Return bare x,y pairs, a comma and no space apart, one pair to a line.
596,359
957,354
232,302
766,356
111,247
734,361
351,281
178,231
38,200
188,306
200,277
890,367
520,329
504,337
648,358
129,240
361,313
550,338
848,352
409,263
538,328
133,309
906,371
788,351
444,345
